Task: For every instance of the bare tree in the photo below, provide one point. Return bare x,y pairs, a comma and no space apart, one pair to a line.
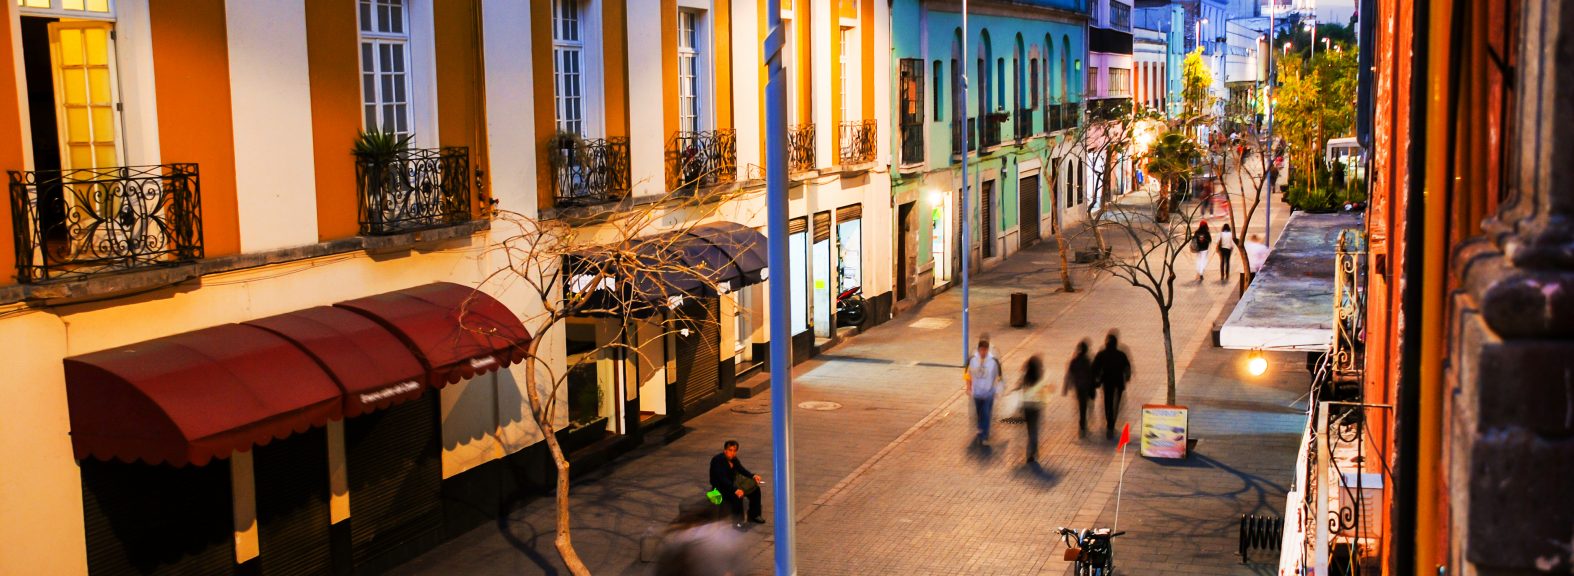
1150,263
619,265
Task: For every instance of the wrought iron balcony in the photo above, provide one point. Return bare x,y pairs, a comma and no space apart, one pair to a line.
75,223
800,148
972,136
414,190
586,172
1023,128
992,123
858,142
702,159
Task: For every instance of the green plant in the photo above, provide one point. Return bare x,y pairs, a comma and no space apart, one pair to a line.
380,145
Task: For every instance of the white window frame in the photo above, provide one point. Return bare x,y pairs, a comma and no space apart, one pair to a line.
789,68
420,68
591,81
705,46
691,97
57,9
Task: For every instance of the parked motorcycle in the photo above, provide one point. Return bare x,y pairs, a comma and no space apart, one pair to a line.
851,310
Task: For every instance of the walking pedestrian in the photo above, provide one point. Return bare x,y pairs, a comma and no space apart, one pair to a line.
1112,369
1032,390
1226,247
696,544
735,482
1201,241
1079,377
983,381
1256,252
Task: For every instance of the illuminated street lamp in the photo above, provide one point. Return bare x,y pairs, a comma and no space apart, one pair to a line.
1256,363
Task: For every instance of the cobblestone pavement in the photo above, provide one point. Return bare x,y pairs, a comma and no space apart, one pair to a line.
887,483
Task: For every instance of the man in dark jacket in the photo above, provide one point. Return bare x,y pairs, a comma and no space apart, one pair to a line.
1079,377
1112,369
728,475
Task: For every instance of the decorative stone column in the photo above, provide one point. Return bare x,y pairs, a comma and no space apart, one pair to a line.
1509,433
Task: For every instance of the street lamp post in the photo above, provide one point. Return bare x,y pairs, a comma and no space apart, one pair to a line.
967,217
779,263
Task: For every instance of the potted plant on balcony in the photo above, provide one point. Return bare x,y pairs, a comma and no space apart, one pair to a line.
376,152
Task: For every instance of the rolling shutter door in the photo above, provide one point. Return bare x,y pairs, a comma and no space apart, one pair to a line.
822,226
146,519
292,505
797,225
395,470
1028,193
699,353
849,213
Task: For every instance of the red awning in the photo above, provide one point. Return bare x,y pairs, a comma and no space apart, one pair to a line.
374,368
456,331
196,396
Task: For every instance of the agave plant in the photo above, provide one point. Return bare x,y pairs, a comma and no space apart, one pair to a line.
380,145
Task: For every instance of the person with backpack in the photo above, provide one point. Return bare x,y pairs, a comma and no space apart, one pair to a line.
1201,241
983,382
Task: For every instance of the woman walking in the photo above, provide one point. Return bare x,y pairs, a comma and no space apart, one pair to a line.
1032,390
1201,241
1226,247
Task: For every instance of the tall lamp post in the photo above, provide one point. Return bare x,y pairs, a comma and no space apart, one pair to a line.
778,262
967,217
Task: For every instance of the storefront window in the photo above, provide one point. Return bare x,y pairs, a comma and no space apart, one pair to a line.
849,258
798,249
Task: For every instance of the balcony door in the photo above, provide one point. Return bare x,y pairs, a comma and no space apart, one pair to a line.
86,95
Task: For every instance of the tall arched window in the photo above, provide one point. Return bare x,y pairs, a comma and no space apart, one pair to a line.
1065,74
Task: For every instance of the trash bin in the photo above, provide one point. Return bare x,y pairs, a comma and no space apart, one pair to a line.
1018,309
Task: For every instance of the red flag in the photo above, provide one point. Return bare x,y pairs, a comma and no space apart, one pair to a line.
1125,437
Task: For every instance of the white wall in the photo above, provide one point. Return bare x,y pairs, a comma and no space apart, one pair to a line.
270,99
510,104
647,136
747,117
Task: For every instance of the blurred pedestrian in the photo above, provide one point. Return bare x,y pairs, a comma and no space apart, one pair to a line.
1032,390
696,544
1112,370
983,382
1226,248
1079,377
1256,252
1201,242
735,483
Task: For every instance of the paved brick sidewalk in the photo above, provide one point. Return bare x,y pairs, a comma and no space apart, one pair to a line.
887,485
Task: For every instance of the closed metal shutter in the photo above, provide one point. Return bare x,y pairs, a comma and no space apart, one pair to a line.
292,505
797,225
699,353
395,468
1027,191
146,519
822,226
849,213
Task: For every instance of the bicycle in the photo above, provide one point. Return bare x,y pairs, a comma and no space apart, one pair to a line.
1091,550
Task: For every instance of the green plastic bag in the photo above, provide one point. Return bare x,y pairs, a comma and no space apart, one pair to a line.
714,496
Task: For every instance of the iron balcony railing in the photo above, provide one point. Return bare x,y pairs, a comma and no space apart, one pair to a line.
414,190
858,141
587,172
992,123
702,159
972,136
82,222
1051,117
1023,127
800,148
913,143
1070,116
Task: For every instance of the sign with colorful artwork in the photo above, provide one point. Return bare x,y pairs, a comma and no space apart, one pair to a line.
1163,431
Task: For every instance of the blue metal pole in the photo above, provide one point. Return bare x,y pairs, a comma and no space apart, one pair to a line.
781,336
967,217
